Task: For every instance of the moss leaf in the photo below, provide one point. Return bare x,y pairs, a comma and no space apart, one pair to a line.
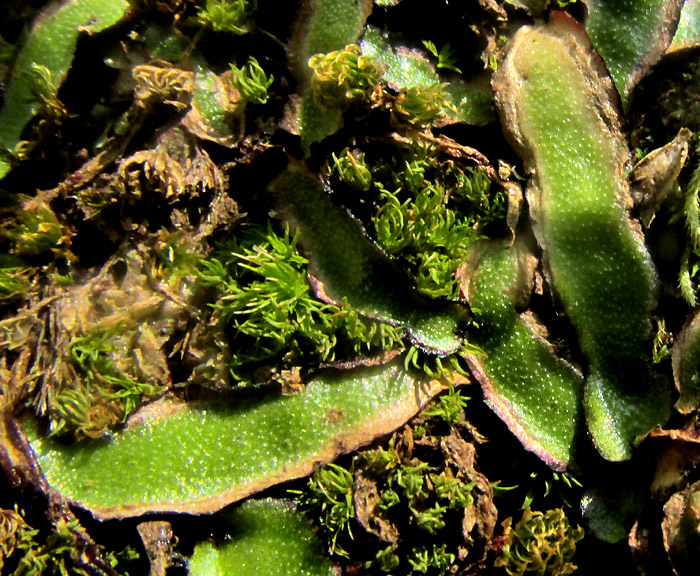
174,457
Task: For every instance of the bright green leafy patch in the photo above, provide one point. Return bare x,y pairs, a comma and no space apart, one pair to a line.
199,458
277,324
267,537
537,394
551,100
348,266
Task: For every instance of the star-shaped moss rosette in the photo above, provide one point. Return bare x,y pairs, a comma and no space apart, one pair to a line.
346,264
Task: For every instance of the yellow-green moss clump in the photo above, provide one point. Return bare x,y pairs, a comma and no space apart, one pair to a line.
541,543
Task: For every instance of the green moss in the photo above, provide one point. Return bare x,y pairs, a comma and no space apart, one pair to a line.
540,543
412,496
252,82
352,170
36,229
429,222
104,395
449,407
422,106
231,16
14,278
275,321
349,266
343,77
330,491
59,552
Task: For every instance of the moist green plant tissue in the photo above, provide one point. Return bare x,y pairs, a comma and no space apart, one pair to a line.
559,110
200,458
269,537
537,394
